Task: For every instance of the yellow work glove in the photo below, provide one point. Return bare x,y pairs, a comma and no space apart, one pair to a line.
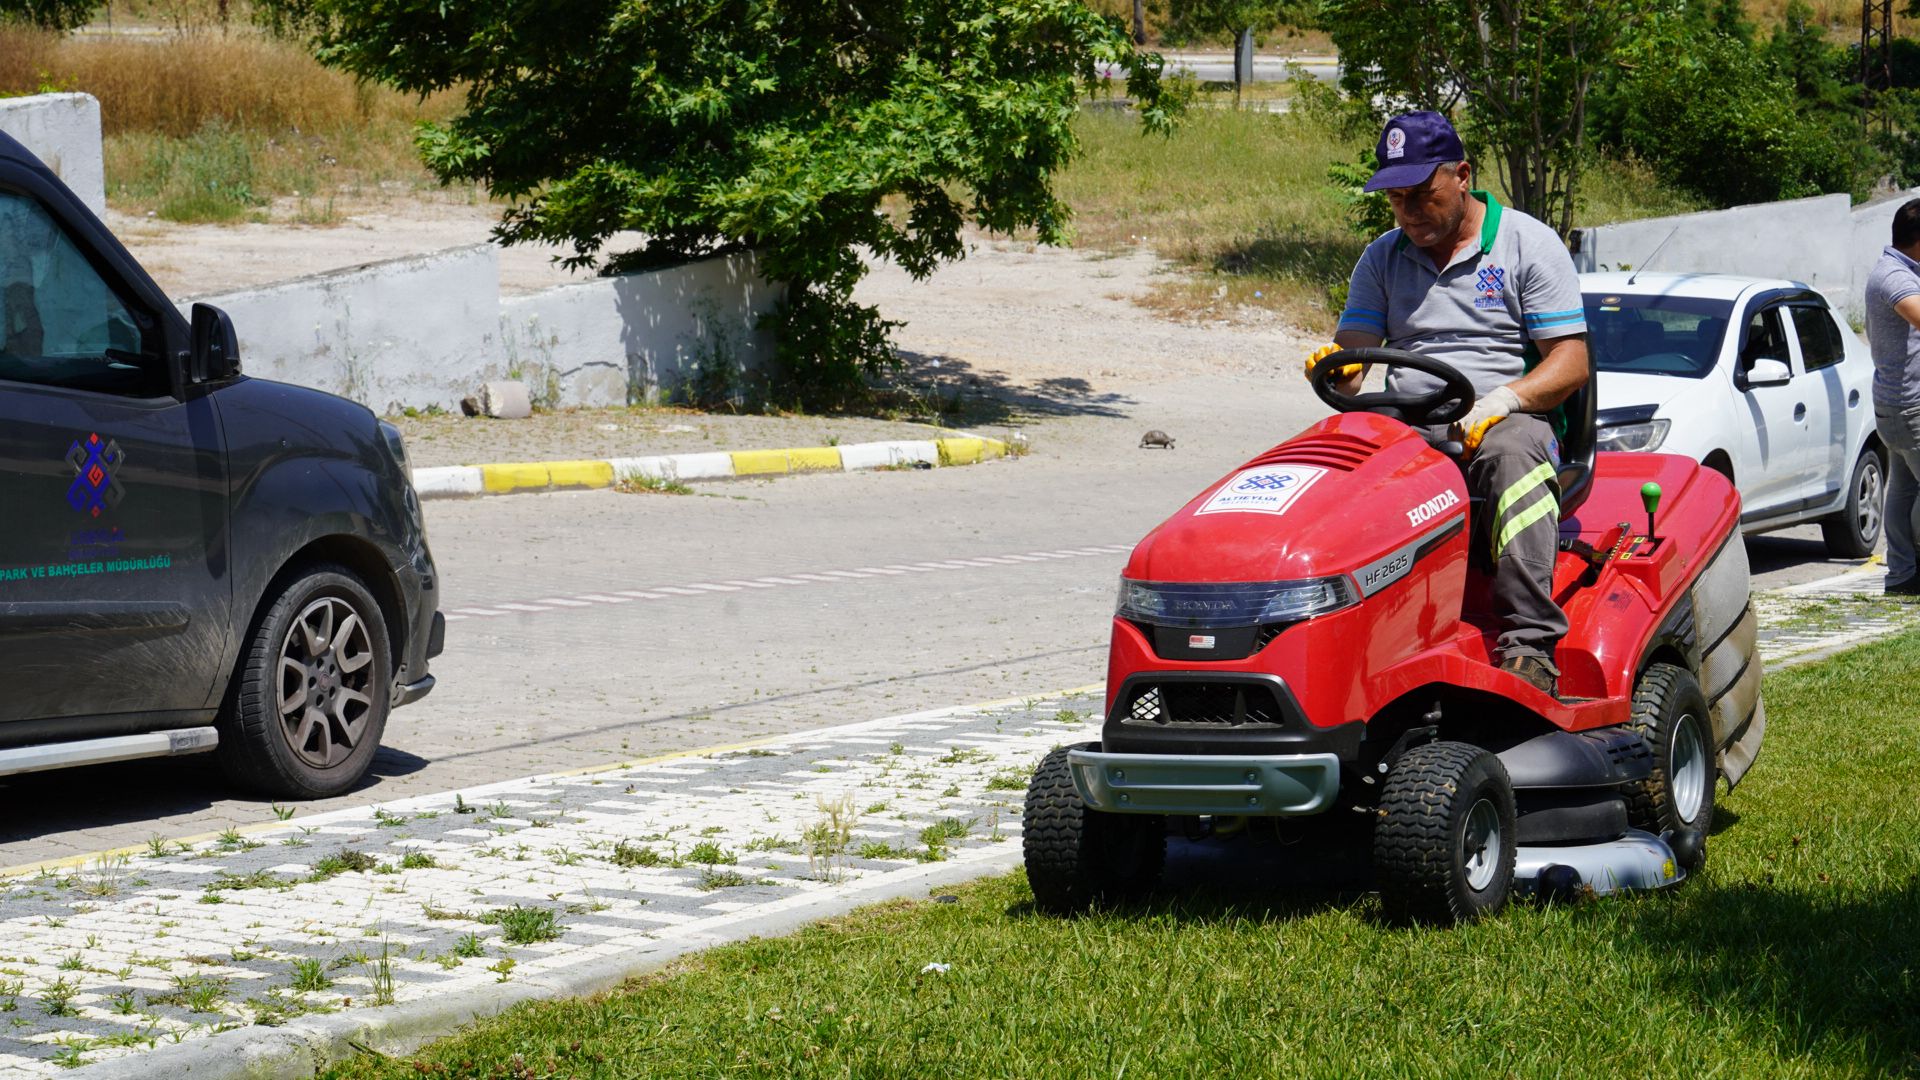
1486,412
1347,371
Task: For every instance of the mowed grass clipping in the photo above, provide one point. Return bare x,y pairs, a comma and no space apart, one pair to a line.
1795,954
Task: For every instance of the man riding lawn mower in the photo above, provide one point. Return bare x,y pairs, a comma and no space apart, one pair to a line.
1438,617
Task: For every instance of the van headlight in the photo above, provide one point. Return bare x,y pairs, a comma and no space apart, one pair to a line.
1642,437
1255,603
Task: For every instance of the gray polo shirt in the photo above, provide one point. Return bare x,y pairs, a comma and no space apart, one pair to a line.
1894,342
1482,312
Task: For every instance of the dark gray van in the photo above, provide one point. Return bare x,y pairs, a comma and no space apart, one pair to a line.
190,559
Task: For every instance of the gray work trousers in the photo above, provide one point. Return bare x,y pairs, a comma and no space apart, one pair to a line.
1901,432
1517,526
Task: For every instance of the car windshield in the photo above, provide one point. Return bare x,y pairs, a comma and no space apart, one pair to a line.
1656,335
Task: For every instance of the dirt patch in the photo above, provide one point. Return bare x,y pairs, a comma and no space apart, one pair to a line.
204,260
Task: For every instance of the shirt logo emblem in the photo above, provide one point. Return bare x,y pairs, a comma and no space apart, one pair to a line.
1493,288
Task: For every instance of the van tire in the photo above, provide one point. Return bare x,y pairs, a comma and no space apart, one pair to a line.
309,699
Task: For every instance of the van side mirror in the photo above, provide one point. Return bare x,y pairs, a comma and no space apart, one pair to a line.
1768,373
216,350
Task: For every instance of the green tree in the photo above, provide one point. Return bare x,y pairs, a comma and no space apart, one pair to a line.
60,15
1731,122
1523,69
808,132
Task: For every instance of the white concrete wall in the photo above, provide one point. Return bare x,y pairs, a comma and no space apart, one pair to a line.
429,329
1822,241
62,130
638,337
416,332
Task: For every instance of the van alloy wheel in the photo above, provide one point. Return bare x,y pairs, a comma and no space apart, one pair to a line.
309,697
326,669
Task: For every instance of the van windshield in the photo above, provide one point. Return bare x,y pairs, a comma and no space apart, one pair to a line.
1656,335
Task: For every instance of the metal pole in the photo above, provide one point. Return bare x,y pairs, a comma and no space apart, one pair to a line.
1242,64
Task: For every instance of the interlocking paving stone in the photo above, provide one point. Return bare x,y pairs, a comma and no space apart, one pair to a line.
127,949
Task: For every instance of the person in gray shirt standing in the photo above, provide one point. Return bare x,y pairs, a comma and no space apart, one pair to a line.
1491,292
1893,334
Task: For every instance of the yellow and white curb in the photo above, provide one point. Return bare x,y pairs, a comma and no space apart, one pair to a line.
504,479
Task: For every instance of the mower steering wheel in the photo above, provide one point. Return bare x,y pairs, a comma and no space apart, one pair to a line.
1442,405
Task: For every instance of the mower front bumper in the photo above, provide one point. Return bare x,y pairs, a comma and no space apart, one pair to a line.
1267,785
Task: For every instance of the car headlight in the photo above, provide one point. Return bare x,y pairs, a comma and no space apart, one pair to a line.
1240,604
1641,437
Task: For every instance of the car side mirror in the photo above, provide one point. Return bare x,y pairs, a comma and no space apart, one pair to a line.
216,350
1768,373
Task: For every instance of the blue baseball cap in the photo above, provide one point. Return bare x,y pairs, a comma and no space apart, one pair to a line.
1411,147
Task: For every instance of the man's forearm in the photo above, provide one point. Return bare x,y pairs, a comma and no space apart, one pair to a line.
1561,371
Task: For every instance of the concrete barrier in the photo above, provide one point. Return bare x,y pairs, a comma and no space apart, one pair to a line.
62,130
419,331
1823,241
640,336
427,330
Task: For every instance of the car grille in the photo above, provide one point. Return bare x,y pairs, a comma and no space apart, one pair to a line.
1202,704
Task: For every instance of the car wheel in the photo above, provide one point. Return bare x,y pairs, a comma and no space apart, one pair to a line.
1853,532
1670,712
309,701
1445,840
1077,857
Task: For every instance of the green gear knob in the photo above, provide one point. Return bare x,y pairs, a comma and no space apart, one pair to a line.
1650,498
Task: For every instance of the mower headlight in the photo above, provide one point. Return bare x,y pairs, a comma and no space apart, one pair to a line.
1240,604
1644,436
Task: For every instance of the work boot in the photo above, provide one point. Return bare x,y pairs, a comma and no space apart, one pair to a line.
1537,670
1909,587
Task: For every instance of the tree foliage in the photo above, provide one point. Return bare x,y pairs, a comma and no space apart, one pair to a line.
60,15
1522,68
1734,118
808,131
1190,19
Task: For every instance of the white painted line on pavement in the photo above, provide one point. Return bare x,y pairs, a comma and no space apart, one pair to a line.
828,577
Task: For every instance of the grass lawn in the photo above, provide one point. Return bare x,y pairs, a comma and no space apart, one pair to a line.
1796,953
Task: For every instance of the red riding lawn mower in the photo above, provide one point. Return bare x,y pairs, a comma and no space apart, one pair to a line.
1311,636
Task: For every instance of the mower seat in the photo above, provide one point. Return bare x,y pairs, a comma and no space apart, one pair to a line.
1577,445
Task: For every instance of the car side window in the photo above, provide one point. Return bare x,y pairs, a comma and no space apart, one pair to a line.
1820,344
1763,340
61,323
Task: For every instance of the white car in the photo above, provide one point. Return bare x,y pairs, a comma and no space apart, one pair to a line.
1753,377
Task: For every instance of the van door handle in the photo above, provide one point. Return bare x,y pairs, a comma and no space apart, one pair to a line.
1799,412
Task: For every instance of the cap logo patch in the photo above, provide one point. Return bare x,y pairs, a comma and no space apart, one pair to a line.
1396,143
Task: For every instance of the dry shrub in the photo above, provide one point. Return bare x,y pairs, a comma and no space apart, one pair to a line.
175,84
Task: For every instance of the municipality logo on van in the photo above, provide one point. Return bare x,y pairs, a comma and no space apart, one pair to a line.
95,489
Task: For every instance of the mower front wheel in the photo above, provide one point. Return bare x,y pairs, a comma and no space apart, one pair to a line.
1076,856
1445,840
1670,712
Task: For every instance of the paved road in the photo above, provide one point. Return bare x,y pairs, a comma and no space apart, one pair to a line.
1218,67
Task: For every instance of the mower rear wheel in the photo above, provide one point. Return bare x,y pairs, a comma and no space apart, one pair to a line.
1445,840
1077,857
1670,712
